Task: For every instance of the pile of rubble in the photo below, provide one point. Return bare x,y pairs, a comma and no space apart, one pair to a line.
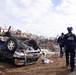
42,41
49,44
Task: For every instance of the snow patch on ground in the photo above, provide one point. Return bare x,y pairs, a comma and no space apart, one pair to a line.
48,52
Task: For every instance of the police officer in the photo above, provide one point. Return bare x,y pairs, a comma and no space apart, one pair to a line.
69,44
60,41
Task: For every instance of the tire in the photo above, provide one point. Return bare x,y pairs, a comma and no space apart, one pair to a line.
34,44
11,45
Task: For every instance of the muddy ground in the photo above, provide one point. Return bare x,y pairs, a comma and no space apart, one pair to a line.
56,68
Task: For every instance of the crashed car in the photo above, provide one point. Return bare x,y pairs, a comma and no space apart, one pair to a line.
18,52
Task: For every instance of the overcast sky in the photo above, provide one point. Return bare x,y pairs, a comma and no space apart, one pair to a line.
42,17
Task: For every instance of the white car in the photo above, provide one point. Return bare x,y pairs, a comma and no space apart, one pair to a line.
17,51
26,57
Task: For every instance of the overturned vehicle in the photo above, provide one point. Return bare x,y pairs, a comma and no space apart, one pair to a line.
17,51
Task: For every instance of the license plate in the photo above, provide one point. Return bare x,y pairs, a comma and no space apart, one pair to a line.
35,55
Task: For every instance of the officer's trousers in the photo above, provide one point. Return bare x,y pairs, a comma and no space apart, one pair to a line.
70,55
61,51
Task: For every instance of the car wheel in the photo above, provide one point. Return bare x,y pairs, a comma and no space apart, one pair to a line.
11,45
34,44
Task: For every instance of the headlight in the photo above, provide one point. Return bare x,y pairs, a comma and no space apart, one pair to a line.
19,62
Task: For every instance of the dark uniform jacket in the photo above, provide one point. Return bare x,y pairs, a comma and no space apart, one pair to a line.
60,40
69,40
